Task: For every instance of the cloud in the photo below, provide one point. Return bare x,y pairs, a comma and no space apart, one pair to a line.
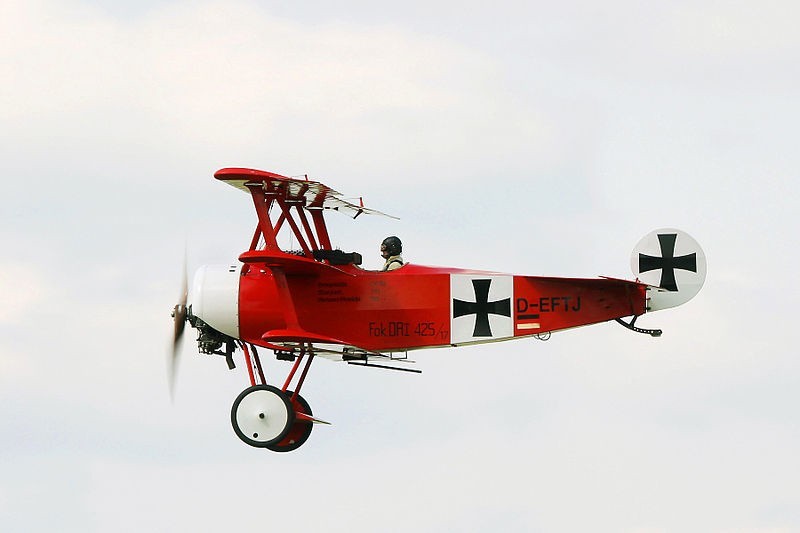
231,78
742,28
24,289
532,139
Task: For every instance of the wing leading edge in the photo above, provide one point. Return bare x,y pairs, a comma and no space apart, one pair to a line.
312,194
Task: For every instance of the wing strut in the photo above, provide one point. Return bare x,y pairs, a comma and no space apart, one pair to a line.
262,206
301,204
291,212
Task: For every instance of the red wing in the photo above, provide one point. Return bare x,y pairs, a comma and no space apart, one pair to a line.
322,345
296,336
312,194
290,264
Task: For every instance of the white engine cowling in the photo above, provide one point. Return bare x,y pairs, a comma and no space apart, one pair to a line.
214,298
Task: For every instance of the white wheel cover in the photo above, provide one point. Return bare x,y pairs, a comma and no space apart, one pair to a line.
262,416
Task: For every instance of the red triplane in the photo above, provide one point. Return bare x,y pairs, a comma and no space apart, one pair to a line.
317,300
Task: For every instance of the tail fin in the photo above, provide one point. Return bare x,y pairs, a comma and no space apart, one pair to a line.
673,264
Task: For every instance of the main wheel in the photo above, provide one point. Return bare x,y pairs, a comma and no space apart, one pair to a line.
301,429
262,415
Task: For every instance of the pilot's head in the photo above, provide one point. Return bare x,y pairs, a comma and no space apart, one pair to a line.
391,246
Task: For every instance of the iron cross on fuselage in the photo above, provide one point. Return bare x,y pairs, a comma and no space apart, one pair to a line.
481,308
668,262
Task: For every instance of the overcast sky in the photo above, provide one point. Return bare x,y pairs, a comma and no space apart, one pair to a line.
523,137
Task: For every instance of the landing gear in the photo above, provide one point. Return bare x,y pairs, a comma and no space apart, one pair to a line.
269,417
262,416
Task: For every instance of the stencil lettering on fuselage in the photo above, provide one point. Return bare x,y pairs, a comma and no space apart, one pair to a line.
480,308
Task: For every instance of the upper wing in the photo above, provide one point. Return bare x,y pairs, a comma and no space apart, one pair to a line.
311,194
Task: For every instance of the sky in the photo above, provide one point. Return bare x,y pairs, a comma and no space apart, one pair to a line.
535,138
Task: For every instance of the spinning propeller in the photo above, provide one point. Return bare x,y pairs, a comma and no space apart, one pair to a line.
179,316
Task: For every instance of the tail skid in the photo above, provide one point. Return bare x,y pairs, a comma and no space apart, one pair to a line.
630,326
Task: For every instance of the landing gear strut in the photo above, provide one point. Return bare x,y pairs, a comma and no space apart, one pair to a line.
265,416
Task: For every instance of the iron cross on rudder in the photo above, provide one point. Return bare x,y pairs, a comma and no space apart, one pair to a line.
482,307
668,262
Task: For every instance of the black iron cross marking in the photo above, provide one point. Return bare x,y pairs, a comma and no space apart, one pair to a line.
668,262
481,308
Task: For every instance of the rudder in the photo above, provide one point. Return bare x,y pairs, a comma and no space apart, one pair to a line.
673,264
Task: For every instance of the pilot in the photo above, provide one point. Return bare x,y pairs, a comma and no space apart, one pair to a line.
391,248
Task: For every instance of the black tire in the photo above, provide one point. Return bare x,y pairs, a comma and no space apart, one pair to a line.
299,432
246,411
